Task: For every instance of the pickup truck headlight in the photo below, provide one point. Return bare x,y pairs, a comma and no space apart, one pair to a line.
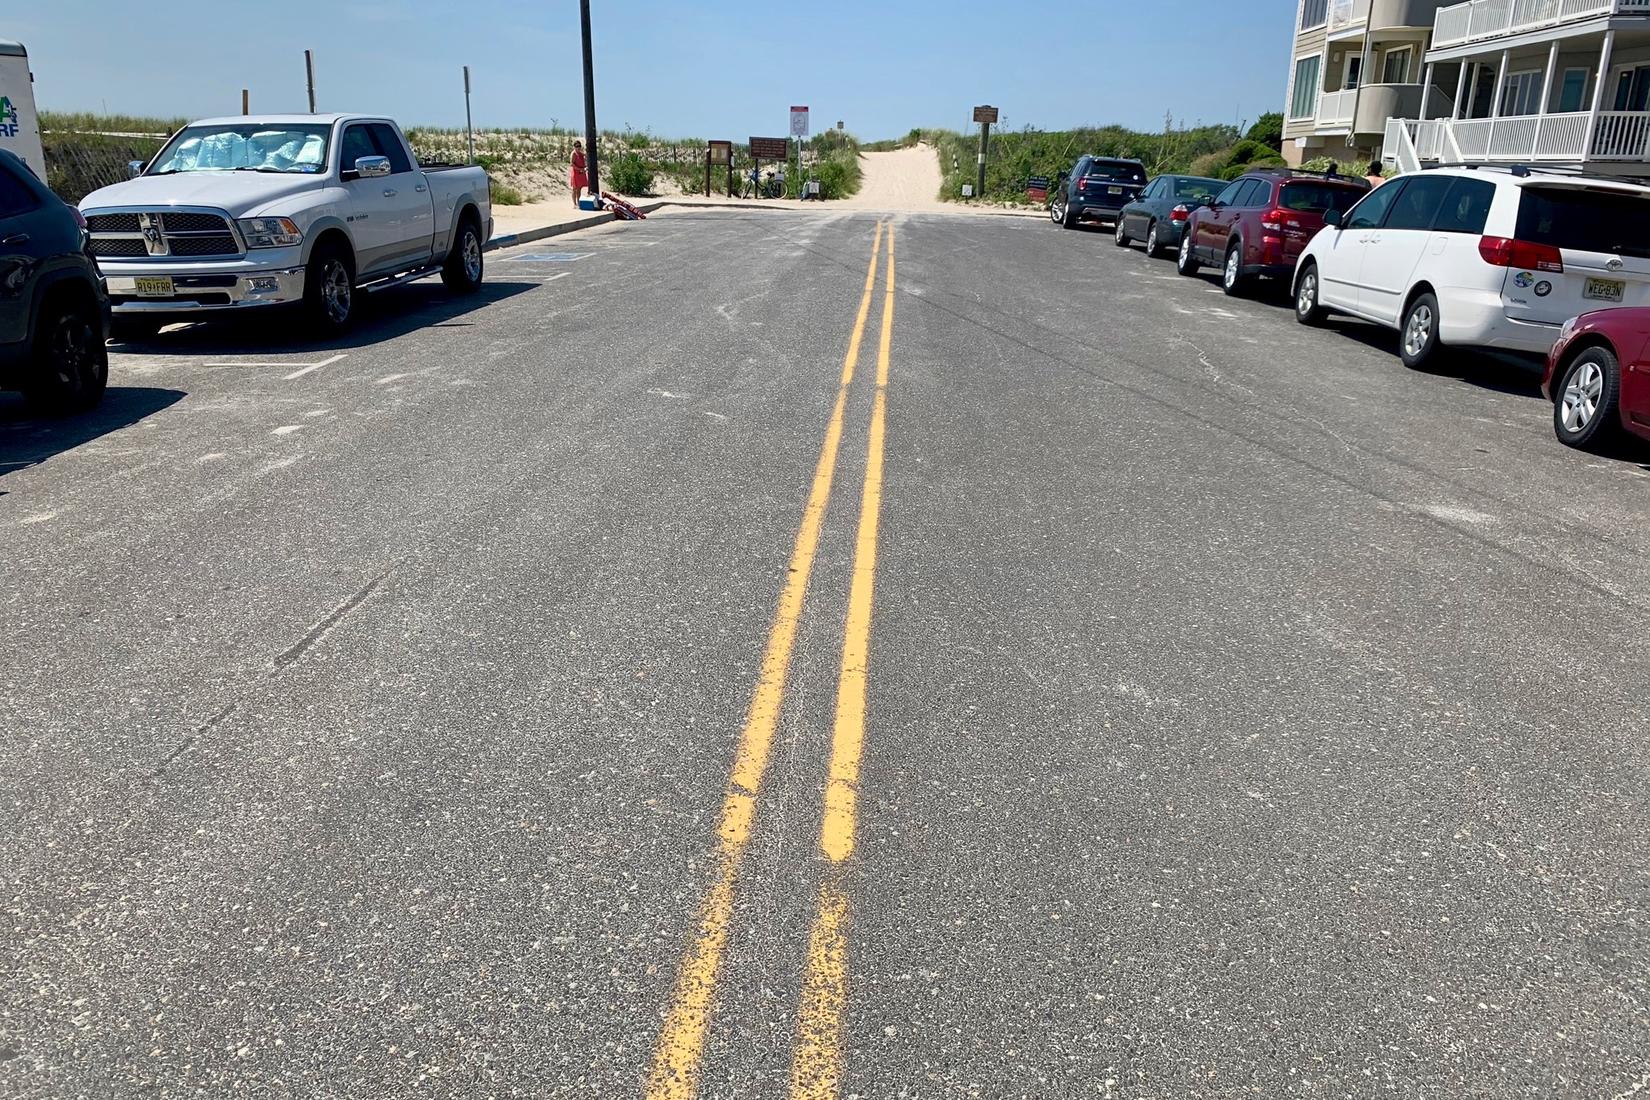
270,232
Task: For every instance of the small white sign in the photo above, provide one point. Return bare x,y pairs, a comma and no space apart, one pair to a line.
968,190
799,122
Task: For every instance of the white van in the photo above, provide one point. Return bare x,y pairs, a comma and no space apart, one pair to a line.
1480,257
19,125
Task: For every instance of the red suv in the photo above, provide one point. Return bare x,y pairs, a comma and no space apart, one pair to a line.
1261,222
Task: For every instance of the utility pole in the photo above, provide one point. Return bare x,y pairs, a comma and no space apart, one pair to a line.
309,73
985,116
589,105
246,101
469,126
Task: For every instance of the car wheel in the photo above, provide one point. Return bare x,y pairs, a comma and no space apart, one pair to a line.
329,289
1307,309
1057,211
1068,216
1587,413
462,272
1153,246
1232,279
1186,263
1418,338
1120,236
70,369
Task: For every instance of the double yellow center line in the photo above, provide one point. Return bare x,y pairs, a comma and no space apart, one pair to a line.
816,1071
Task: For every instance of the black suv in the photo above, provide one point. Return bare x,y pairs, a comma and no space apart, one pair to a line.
1096,189
54,310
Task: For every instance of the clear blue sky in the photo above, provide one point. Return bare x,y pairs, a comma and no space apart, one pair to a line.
704,68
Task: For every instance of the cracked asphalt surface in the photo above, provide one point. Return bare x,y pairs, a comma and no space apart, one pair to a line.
1246,716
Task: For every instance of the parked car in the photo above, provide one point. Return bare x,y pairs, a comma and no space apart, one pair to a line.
250,213
53,311
1480,257
1259,224
1160,214
1598,378
1096,189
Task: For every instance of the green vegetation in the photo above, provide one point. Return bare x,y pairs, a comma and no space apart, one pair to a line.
82,122
631,175
1268,130
1229,164
505,195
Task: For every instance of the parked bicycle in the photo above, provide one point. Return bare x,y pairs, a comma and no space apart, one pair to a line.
771,186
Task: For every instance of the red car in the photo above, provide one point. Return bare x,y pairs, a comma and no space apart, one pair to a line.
1261,222
1598,378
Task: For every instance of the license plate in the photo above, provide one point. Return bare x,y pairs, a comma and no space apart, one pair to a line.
1604,290
153,286
1114,190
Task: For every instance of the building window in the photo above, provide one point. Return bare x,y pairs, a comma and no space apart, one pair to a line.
1522,95
1395,70
1573,94
1633,88
1304,102
1353,71
1314,13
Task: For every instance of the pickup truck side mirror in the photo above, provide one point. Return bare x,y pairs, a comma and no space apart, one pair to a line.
371,167
134,168
1332,218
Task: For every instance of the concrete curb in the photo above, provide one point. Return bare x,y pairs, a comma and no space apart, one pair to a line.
527,236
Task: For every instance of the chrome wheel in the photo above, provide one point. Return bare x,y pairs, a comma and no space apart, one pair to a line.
1581,397
1185,251
472,256
1057,211
336,291
1232,266
1418,331
1151,240
1121,237
1307,300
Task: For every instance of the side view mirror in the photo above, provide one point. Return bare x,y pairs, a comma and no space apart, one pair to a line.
1332,218
134,168
372,167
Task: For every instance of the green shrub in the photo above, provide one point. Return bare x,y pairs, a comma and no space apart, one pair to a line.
1268,130
630,175
505,195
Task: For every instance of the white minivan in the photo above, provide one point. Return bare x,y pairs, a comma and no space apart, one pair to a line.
1480,257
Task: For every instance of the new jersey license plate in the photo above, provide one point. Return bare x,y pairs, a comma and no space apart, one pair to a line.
153,286
1603,290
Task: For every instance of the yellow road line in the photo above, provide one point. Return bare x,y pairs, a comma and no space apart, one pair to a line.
681,1045
817,1063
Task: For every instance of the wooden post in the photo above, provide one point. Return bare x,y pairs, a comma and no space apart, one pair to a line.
707,173
246,101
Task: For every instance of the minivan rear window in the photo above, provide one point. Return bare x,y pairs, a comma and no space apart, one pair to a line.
1117,171
1314,197
1586,220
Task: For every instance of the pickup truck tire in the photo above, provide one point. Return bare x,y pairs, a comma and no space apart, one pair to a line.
329,288
462,271
70,368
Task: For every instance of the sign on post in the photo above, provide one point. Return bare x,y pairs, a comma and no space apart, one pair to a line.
799,122
987,115
770,148
1037,188
721,153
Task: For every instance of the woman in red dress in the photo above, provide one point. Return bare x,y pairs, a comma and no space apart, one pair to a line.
580,180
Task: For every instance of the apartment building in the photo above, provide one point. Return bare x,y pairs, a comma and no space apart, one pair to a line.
1356,65
1564,82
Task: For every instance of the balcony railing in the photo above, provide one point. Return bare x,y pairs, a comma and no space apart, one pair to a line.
1335,108
1481,19
1347,13
1530,139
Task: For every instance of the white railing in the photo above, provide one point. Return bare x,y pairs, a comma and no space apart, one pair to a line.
1532,139
1399,148
1622,135
1562,137
1480,19
1347,13
1335,108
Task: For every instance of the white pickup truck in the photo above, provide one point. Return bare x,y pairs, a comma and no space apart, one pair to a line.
236,215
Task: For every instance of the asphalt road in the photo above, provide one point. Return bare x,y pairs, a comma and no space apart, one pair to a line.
453,711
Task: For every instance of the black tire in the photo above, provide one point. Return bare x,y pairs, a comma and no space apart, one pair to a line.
1186,260
1119,235
1418,344
329,289
69,368
1068,216
1154,247
464,267
1232,279
131,330
1307,288
1587,401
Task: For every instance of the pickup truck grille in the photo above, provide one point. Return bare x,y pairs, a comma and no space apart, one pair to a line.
161,233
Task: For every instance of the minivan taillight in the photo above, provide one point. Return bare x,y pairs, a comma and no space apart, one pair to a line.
1507,252
1272,220
1180,213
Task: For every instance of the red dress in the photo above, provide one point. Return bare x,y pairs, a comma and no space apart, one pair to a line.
580,180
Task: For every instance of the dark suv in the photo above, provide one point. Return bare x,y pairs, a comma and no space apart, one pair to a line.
1261,222
1096,189
53,308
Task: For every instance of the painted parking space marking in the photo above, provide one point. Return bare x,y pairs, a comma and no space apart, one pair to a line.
312,367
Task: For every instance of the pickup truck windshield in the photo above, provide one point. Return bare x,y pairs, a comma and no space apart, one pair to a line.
250,148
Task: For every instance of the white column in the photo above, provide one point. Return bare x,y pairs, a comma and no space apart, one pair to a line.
1495,105
1460,89
1426,90
1598,92
1546,98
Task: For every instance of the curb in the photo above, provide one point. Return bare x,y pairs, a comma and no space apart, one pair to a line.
527,236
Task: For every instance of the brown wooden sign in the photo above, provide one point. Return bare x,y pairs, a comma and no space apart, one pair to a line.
985,114
771,148
721,152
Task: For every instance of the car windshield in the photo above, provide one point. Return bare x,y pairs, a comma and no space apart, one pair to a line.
1115,170
1587,220
1315,198
248,148
1197,190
